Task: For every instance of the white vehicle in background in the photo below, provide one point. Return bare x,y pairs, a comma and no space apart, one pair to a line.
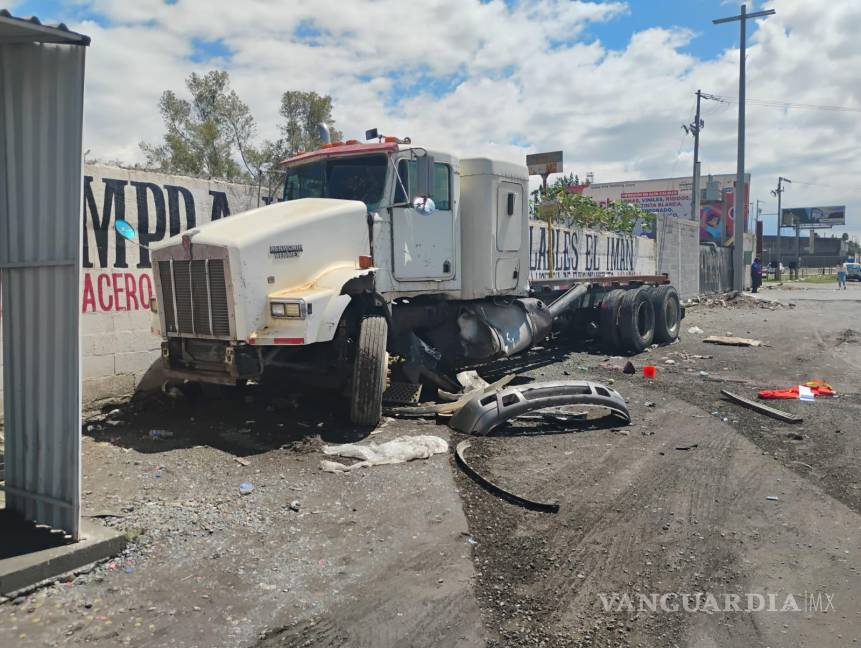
380,249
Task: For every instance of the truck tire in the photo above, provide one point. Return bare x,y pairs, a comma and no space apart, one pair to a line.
668,313
636,320
369,371
609,320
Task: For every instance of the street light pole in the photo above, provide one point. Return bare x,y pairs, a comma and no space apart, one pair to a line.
695,178
779,192
738,211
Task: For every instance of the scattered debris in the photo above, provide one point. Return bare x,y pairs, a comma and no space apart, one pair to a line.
649,371
649,404
460,450
772,498
447,408
690,447
160,434
295,505
629,368
669,361
695,330
246,488
773,412
399,450
732,341
242,461
815,387
480,416
469,380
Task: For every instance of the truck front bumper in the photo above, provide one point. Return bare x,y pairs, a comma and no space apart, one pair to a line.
212,361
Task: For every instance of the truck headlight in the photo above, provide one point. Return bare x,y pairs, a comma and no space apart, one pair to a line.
288,309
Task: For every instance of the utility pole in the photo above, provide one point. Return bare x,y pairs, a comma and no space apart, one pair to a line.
738,228
695,178
778,192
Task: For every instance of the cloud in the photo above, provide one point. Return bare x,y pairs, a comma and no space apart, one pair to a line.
502,79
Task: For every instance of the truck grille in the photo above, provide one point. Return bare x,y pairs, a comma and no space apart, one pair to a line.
194,297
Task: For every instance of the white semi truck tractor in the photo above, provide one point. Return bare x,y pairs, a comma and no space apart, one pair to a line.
378,251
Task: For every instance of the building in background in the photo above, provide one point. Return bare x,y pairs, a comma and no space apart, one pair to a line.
827,250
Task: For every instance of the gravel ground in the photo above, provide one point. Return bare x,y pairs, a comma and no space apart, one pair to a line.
419,555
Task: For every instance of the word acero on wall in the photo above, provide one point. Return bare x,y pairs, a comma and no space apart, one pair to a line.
105,292
582,253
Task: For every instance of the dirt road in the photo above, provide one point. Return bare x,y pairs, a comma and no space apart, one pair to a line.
679,502
419,555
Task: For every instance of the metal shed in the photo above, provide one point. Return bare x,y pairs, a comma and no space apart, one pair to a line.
41,114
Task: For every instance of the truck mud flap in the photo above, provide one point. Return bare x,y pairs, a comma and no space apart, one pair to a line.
480,416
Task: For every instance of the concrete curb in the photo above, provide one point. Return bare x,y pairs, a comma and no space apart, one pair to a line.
97,543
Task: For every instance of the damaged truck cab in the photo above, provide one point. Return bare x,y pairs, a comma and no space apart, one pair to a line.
377,249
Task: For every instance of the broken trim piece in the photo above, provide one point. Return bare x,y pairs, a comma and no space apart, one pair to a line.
546,507
773,412
482,415
447,408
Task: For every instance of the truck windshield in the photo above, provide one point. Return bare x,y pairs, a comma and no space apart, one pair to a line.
362,177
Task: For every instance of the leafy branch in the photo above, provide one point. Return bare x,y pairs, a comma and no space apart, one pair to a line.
566,204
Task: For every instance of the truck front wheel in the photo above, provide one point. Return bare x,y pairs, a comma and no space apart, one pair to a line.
369,371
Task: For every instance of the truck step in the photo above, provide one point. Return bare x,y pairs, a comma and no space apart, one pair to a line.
402,393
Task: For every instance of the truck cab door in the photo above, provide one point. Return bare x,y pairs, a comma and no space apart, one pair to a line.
423,246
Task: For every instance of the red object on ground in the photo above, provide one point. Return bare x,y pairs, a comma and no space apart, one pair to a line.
648,371
818,387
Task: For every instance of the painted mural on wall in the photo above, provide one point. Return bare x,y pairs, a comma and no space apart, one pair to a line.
717,217
567,253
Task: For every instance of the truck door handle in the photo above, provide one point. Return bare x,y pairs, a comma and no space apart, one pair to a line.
446,266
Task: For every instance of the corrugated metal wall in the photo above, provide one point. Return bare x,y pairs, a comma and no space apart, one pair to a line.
41,104
715,269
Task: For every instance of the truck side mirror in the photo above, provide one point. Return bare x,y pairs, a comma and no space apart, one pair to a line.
424,175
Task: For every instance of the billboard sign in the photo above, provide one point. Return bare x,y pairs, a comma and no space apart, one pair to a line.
544,163
672,197
813,217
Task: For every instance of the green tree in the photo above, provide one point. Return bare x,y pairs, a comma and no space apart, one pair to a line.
302,112
210,135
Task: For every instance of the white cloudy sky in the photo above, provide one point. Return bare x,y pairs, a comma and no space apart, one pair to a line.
608,82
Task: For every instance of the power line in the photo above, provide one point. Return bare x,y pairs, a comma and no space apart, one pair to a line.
781,104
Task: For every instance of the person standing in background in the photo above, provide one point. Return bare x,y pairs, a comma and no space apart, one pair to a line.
755,274
841,277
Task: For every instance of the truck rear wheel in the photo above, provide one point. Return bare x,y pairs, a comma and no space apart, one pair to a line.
637,320
609,320
668,311
369,371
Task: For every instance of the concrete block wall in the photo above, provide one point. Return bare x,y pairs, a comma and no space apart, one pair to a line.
678,251
117,352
